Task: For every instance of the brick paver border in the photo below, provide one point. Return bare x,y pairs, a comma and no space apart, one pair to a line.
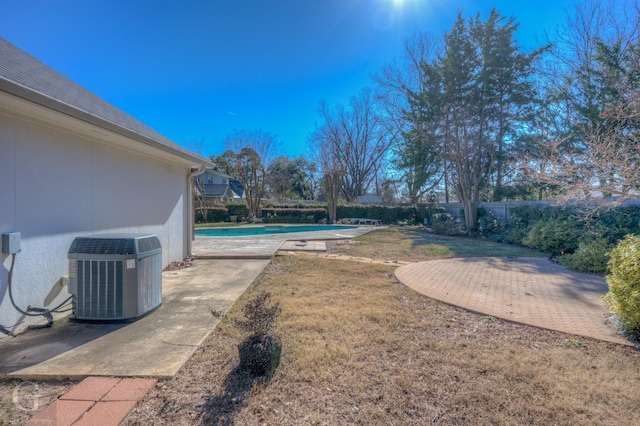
104,401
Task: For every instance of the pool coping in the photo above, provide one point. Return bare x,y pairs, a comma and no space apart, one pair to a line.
267,245
336,228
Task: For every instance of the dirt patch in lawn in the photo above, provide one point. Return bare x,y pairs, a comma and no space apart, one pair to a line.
359,347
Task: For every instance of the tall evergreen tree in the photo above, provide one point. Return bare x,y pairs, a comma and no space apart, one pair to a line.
421,153
482,84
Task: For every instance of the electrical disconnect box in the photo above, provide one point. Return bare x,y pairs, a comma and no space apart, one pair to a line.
11,242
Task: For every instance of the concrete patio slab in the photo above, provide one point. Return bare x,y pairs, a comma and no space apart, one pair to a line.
303,245
156,345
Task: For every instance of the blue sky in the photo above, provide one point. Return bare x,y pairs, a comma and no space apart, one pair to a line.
196,70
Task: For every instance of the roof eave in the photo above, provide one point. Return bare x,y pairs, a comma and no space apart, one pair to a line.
64,108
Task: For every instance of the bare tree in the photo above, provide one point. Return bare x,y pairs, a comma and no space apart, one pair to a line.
595,92
609,165
398,82
252,173
332,174
254,151
355,139
200,197
265,144
417,157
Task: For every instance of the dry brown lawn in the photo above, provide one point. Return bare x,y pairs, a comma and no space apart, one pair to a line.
360,348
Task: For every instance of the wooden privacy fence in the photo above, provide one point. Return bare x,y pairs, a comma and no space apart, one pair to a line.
501,209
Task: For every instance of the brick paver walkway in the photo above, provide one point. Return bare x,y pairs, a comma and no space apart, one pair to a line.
103,401
533,291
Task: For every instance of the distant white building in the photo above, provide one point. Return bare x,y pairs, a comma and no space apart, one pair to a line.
72,164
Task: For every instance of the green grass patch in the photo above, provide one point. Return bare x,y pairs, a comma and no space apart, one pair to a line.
436,250
415,244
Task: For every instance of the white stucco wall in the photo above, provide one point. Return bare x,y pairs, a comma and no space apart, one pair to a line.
56,185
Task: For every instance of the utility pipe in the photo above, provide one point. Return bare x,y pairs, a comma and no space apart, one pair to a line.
195,171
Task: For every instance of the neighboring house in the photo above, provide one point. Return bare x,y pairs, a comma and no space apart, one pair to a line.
237,187
217,186
72,164
218,192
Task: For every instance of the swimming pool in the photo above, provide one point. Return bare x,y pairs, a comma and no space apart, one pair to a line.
266,230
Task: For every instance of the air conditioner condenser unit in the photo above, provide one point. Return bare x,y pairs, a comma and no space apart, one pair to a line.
115,276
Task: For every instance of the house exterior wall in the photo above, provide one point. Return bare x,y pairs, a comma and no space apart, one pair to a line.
56,185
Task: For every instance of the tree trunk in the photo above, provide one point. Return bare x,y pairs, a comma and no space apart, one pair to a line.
470,215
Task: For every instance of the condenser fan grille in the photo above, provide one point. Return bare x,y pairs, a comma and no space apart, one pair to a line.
103,246
148,244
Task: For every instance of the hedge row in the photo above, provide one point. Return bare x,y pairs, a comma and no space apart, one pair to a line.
309,213
580,238
222,213
293,215
212,214
410,214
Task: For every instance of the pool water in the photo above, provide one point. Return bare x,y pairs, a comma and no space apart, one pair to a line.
266,230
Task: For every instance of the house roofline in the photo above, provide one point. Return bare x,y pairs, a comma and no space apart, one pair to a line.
210,170
28,94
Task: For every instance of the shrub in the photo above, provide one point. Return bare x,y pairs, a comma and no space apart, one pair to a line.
426,213
620,221
556,236
489,225
623,297
260,314
214,214
446,224
520,221
238,209
260,352
590,256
